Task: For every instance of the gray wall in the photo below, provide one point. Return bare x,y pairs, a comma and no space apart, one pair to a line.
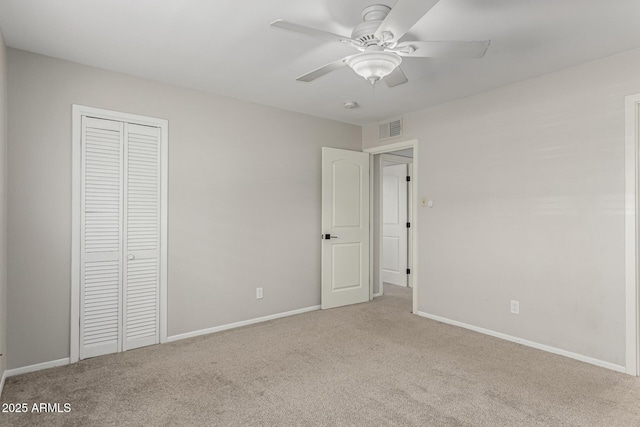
3,205
528,184
244,201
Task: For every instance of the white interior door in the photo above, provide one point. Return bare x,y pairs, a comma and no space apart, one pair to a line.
101,238
394,224
345,227
142,236
119,237
410,221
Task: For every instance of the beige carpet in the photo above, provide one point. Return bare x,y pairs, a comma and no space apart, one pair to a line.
369,364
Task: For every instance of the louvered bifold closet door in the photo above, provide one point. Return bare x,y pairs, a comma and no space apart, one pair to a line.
142,236
101,238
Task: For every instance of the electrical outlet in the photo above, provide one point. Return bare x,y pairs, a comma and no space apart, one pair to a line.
515,307
258,293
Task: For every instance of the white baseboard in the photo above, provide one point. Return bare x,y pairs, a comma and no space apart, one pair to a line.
379,294
4,376
37,367
528,343
239,324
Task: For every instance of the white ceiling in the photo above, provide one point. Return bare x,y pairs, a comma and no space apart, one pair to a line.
227,46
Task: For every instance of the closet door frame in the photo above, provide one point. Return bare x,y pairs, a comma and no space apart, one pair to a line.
78,111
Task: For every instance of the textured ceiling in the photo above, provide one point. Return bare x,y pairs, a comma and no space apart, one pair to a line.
227,47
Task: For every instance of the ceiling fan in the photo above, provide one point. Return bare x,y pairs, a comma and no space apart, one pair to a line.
378,40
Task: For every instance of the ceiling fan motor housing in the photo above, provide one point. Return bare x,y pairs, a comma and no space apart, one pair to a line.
372,17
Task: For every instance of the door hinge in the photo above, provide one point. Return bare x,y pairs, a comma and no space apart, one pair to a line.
408,225
408,271
408,179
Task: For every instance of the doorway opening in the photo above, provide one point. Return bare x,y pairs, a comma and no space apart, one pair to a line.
394,173
395,262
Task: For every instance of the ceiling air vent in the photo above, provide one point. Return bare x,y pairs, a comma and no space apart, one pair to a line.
390,129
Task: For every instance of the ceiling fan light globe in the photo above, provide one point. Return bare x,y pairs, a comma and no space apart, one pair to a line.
373,66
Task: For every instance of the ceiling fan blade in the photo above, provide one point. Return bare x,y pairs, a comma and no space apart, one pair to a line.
402,17
443,49
325,69
396,78
324,35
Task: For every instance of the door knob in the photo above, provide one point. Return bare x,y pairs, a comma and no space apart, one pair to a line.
131,256
329,236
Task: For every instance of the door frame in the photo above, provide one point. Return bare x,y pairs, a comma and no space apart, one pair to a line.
632,238
76,180
408,161
388,148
